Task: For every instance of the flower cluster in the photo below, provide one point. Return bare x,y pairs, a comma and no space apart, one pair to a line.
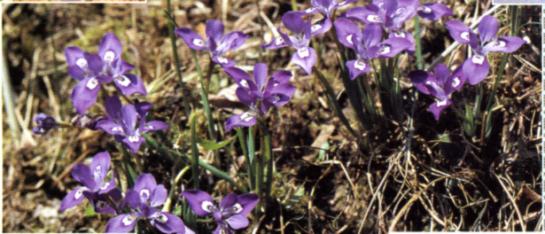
441,83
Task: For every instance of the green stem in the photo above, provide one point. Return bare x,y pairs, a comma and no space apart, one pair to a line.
251,157
204,97
269,157
195,153
249,168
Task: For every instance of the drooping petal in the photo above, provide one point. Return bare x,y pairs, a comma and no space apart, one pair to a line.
144,186
442,73
368,14
130,84
419,78
200,202
110,48
434,11
404,10
347,31
372,35
100,165
222,61
192,39
110,127
122,223
246,96
393,46
133,142
155,125
85,94
476,68
77,64
278,96
233,41
245,119
321,27
83,174
456,81
248,201
488,28
507,44
305,57
357,68
238,75
168,223
214,29
404,35
73,198
278,78
438,106
237,222
459,31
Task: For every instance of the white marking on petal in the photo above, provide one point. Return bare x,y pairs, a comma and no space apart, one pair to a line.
207,206
162,218
425,9
246,116
349,38
309,10
360,65
105,186
276,99
123,81
237,208
465,35
441,103
92,83
198,42
499,43
244,83
399,11
128,220
303,52
117,129
279,41
97,171
399,34
144,194
222,60
81,62
455,82
79,193
315,27
101,204
373,18
109,56
149,126
477,59
384,49
134,138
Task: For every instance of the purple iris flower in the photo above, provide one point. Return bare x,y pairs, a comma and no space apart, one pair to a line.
305,56
230,215
391,14
477,67
326,8
94,185
144,201
128,123
92,70
217,43
433,11
368,44
440,84
259,93
44,123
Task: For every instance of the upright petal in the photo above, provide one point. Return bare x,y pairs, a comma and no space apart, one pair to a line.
228,201
456,81
459,31
144,186
404,10
85,94
83,174
234,40
488,28
130,84
77,64
260,75
129,117
321,27
110,48
248,201
100,165
168,223
476,68
214,29
277,42
200,202
347,31
305,57
121,224
113,107
293,20
192,39
419,78
73,198
158,196
372,35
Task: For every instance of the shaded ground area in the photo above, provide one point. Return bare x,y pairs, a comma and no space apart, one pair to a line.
324,183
